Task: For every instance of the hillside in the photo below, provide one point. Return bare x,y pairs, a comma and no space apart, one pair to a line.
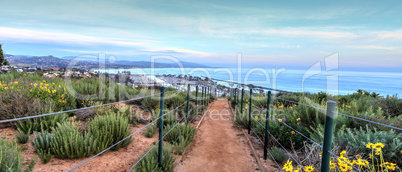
51,61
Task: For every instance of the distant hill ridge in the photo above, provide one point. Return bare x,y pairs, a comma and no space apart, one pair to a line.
52,61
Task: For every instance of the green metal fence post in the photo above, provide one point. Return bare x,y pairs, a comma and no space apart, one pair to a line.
267,124
196,102
235,99
241,104
209,94
206,97
202,97
328,134
249,111
188,101
162,103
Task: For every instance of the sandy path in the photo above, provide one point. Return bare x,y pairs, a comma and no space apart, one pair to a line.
219,146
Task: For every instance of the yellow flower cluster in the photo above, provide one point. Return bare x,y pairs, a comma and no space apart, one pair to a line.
43,89
376,149
345,164
288,167
279,105
9,86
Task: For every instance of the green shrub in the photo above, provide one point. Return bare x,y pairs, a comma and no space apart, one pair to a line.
150,103
10,156
22,137
279,154
150,131
42,140
242,119
181,145
44,155
150,161
356,140
173,100
16,104
168,119
108,130
42,123
69,142
187,131
392,106
31,165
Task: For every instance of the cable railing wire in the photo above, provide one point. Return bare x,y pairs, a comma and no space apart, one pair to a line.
385,125
292,129
278,143
249,85
156,144
344,161
267,149
314,142
350,116
301,104
124,138
307,137
73,110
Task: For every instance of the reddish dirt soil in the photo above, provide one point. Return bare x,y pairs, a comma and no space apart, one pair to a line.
219,145
115,161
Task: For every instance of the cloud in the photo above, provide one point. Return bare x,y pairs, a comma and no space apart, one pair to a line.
379,47
33,36
179,51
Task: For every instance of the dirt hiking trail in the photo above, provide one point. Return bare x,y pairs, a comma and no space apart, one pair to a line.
219,145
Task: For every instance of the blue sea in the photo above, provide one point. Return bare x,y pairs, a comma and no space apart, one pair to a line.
335,82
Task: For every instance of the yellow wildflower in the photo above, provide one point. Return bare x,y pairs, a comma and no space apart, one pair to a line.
309,168
342,153
256,117
378,147
369,145
16,82
288,166
293,132
298,119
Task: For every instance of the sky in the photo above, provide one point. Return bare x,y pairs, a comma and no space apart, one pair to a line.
366,34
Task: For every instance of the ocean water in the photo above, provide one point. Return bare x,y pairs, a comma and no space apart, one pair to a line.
335,82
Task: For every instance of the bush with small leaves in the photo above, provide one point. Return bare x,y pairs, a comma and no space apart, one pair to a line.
181,145
41,143
22,137
41,123
42,140
168,119
150,161
185,130
44,155
279,155
69,142
109,129
150,103
10,156
150,131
